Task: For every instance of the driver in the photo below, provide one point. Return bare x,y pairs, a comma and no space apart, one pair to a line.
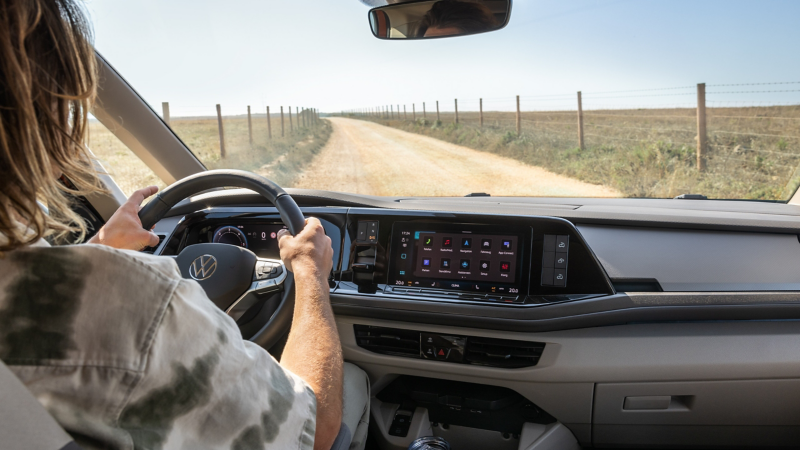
120,349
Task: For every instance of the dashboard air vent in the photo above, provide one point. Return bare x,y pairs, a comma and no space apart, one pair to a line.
502,352
388,341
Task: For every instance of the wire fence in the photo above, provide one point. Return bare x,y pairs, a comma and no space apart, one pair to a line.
217,130
706,137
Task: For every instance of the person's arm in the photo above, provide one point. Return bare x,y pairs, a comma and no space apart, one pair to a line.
124,229
313,351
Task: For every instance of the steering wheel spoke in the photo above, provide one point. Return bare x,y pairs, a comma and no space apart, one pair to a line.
268,278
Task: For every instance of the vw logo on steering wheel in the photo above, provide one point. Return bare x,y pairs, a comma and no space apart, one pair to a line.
203,267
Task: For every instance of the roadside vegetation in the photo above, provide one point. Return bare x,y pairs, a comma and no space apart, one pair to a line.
753,152
280,159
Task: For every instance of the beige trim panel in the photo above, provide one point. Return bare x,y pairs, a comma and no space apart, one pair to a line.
574,360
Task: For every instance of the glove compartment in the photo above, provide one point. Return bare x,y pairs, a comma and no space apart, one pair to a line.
704,413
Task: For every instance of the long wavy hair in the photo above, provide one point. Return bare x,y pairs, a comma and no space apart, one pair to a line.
48,80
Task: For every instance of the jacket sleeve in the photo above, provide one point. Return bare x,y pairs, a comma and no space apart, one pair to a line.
206,387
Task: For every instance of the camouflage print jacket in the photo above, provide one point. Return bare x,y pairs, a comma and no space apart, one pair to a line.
126,354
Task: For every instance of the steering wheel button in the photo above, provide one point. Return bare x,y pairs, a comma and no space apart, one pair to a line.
265,284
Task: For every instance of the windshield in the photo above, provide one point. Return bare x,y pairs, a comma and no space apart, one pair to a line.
573,99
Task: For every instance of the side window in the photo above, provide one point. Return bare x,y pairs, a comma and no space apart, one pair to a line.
127,170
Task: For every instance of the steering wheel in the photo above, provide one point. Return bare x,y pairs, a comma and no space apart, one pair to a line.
233,277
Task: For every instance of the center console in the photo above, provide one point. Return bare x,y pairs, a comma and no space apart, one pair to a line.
508,261
466,258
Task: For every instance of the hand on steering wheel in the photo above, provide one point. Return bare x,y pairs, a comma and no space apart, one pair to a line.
124,229
308,249
234,278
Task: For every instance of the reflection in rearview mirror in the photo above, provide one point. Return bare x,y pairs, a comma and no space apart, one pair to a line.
438,18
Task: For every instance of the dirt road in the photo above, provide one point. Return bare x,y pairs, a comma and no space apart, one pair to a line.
367,158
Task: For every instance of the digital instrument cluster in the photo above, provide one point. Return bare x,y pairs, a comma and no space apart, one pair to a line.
261,239
466,258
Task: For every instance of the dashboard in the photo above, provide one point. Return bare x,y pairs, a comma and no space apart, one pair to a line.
385,268
471,259
591,312
626,260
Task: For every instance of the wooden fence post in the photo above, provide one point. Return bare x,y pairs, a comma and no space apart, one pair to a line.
481,108
702,137
424,116
456,110
391,111
405,116
249,125
291,124
282,128
413,112
437,111
269,125
580,122
519,119
165,112
398,112
221,132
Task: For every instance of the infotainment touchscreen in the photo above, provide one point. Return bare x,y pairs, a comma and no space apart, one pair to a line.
461,257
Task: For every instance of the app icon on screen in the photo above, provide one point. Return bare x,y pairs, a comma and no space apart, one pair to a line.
485,265
426,262
506,244
447,242
505,266
466,243
428,241
464,264
486,244
445,263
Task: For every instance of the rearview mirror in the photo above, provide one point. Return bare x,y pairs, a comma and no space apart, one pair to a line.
428,19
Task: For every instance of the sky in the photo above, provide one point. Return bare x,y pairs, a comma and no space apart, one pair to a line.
321,53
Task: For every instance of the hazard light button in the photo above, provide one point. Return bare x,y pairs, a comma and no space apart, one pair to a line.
441,347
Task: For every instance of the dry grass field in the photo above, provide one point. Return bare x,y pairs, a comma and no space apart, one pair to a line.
128,171
280,159
753,153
